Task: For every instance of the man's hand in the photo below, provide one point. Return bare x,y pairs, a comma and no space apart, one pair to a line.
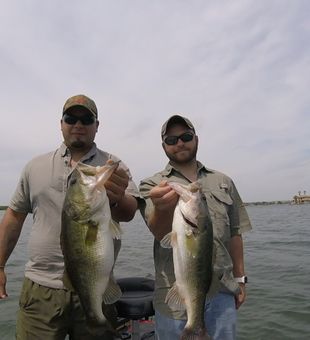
116,185
240,298
3,293
164,197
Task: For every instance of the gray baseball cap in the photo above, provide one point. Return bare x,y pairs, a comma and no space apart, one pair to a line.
176,119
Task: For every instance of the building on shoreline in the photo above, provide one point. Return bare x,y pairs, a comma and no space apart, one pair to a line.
300,199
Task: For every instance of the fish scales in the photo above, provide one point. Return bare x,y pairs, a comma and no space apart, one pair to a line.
192,241
87,243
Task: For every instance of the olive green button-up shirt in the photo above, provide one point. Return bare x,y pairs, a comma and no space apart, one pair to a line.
229,218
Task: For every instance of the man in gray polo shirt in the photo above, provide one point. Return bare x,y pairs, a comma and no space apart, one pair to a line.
229,219
47,309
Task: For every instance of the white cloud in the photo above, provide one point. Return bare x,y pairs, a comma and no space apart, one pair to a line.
239,70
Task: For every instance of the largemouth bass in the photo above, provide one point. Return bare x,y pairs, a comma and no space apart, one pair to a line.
87,236
192,241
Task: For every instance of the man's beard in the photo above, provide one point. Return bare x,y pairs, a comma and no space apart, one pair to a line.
78,144
174,158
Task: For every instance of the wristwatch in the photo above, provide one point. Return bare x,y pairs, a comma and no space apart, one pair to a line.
242,279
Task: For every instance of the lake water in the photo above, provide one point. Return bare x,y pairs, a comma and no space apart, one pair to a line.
277,256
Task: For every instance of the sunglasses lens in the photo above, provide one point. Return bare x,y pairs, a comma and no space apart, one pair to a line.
171,140
85,120
186,137
71,120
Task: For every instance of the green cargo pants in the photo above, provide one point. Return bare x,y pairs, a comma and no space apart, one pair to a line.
52,314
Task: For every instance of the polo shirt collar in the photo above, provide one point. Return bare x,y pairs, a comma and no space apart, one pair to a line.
169,169
64,151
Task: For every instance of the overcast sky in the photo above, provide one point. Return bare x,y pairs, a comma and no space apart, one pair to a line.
240,70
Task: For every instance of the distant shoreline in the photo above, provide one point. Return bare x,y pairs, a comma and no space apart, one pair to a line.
4,207
268,203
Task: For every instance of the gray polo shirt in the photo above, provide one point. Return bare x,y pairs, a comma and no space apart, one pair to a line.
228,215
41,191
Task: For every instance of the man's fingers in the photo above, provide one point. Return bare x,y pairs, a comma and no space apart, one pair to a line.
162,183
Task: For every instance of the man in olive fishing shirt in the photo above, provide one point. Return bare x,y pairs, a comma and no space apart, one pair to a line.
229,220
48,310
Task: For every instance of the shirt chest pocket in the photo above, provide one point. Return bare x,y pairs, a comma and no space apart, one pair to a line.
59,183
219,203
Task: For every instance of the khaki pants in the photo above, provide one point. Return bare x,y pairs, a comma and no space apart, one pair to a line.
52,314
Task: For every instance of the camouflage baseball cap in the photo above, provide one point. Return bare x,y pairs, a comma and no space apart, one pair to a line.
176,119
81,100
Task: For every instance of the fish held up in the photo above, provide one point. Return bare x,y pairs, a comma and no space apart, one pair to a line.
89,241
191,239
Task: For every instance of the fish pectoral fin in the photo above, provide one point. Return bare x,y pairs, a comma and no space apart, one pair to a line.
169,240
174,299
112,293
115,230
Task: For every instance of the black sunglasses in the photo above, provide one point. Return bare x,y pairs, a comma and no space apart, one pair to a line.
85,120
185,137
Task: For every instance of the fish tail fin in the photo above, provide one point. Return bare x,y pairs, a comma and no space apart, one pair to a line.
103,321
100,329
195,334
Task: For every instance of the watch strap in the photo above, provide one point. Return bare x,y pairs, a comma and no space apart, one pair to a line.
242,279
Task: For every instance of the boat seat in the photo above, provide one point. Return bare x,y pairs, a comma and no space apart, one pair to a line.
137,299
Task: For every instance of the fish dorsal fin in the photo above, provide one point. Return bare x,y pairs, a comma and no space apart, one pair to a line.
169,240
112,293
174,299
115,229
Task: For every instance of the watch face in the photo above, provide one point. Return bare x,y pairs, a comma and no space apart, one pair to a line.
245,279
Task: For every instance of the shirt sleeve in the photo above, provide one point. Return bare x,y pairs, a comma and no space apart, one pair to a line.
20,200
239,219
